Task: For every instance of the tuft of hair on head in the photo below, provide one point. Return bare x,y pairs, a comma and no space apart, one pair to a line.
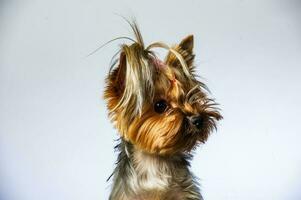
132,77
137,77
130,81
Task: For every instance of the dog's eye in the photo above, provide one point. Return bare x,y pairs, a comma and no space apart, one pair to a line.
160,106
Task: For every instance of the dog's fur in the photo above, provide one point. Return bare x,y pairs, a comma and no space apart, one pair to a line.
162,113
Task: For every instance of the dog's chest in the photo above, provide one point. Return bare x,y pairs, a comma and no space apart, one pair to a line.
152,172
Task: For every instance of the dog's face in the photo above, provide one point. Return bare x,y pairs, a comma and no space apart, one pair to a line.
160,107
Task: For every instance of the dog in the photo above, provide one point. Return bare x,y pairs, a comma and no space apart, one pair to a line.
162,113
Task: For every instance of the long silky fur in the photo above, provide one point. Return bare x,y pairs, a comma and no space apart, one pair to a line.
155,149
138,82
137,171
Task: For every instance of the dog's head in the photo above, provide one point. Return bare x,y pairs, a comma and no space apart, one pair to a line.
159,106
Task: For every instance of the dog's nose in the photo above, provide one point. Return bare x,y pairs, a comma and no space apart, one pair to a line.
197,121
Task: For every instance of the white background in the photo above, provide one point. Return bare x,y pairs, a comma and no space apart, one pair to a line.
56,142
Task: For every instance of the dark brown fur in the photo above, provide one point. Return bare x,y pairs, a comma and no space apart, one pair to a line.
164,139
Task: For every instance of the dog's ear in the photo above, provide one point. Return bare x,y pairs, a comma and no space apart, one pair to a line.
187,44
185,48
119,74
131,82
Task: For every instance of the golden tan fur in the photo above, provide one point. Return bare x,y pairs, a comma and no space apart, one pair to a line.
138,81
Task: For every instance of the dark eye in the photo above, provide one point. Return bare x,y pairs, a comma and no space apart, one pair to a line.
160,106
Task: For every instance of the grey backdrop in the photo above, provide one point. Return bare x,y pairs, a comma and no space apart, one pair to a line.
56,142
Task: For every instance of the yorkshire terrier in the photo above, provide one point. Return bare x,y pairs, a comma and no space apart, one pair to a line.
162,113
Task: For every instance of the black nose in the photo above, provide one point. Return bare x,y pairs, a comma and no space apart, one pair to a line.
197,121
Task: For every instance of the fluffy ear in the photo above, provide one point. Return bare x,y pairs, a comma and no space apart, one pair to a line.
185,48
131,82
115,83
187,43
119,78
